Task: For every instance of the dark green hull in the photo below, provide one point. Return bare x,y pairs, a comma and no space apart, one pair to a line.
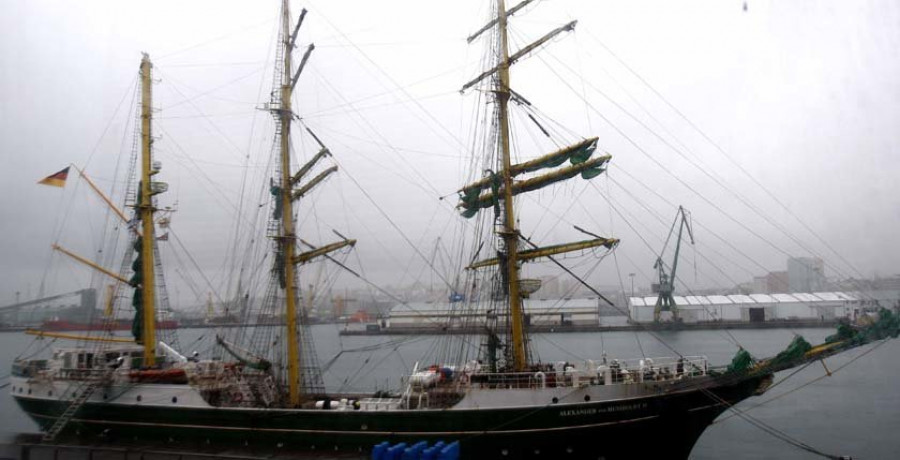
663,426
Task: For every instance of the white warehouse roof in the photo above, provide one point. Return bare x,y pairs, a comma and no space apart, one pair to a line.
800,297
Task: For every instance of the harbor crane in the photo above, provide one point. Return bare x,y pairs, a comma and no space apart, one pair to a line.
665,301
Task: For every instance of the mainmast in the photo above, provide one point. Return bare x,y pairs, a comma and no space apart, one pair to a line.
145,209
289,189
488,191
288,237
509,234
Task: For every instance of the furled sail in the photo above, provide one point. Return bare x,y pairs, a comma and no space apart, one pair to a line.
471,198
547,251
575,153
245,357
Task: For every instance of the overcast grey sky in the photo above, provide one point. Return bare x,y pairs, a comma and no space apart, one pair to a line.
801,94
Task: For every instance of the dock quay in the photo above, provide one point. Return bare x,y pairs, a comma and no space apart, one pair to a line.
552,329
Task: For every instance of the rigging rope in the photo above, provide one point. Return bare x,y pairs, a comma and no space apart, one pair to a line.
740,197
835,370
730,159
778,434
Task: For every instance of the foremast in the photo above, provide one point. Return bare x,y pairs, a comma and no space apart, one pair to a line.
502,186
147,278
143,280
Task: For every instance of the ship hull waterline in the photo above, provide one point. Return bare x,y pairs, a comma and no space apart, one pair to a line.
665,426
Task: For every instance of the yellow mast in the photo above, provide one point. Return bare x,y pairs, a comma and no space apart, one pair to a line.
145,208
288,237
509,234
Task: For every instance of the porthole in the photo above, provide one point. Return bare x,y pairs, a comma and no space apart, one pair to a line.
504,452
174,399
29,391
139,398
105,396
587,397
50,393
555,400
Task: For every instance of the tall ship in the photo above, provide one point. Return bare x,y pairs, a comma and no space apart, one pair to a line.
490,393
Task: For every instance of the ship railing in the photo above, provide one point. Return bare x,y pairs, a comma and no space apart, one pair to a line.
82,373
28,368
602,372
659,368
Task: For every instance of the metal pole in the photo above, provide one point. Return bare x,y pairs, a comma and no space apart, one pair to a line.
148,276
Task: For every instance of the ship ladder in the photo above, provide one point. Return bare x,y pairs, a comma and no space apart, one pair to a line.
83,393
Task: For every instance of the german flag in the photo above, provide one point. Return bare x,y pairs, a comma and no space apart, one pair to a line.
56,180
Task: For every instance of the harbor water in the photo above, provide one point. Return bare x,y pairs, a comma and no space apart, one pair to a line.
854,412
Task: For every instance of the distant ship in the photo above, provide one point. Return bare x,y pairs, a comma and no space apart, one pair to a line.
116,325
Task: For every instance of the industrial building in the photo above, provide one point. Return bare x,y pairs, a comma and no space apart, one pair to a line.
538,312
753,307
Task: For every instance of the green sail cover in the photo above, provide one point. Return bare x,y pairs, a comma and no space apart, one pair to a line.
741,362
471,200
887,325
592,172
553,163
576,154
469,213
550,162
587,170
794,352
582,154
844,332
276,192
137,324
279,266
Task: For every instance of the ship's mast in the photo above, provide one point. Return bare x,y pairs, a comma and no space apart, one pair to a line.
288,237
483,193
509,234
145,209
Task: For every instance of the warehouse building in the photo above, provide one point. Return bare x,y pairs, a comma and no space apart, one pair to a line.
752,308
538,312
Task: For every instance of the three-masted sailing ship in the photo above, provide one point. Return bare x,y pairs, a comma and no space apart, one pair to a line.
499,404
